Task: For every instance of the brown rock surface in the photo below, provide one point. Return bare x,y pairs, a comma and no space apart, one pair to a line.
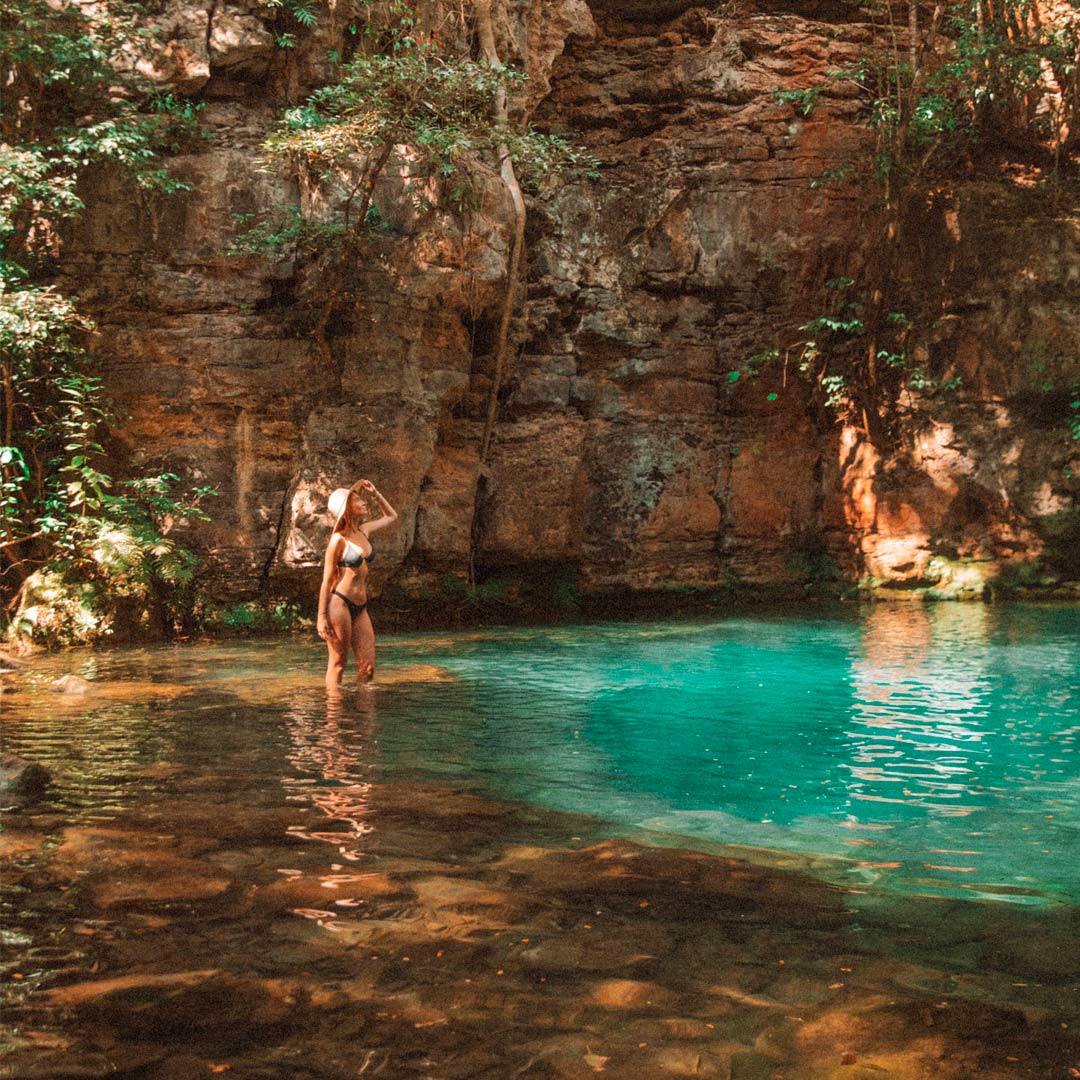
624,456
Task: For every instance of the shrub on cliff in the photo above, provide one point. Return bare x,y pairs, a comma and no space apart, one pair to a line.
951,91
72,102
404,91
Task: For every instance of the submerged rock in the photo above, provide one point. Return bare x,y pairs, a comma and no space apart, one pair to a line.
692,1060
326,890
631,994
126,867
164,881
440,893
594,947
415,673
22,779
144,986
70,684
18,845
205,1003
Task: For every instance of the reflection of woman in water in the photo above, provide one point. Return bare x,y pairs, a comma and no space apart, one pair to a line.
343,617
332,766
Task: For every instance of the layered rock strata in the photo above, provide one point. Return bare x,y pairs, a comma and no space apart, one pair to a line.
628,453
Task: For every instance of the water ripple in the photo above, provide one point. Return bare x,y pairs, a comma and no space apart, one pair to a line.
887,738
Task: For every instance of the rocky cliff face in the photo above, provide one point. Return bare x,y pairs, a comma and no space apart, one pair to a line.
626,454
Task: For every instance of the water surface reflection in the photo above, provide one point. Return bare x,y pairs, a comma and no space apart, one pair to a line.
234,873
932,749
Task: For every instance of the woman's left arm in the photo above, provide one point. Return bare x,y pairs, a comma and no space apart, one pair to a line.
389,514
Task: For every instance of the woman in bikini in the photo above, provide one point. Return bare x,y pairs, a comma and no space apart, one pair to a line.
343,618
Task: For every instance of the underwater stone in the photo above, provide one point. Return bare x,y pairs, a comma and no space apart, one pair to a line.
191,1003
23,779
631,994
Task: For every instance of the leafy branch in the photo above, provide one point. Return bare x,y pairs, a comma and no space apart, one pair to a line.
73,102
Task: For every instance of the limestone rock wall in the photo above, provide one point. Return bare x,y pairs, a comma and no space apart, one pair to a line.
625,455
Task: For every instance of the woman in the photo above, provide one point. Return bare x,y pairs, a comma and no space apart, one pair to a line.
343,618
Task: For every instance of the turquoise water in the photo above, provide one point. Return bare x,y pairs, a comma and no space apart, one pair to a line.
927,750
934,749
805,844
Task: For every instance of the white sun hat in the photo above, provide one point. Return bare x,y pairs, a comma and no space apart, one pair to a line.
337,504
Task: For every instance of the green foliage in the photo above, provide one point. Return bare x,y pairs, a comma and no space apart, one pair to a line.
408,91
845,321
834,177
834,325
541,158
809,561
73,103
940,85
51,415
285,230
567,594
971,74
496,590
443,106
55,611
302,12
58,508
120,556
70,107
919,379
832,340
751,368
802,100
834,388
254,617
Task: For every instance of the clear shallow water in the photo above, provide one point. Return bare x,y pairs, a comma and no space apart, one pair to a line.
925,750
233,874
934,747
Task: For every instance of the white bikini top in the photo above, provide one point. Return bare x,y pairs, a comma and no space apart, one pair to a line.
352,556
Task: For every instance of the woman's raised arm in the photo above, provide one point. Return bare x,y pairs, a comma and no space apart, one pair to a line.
389,514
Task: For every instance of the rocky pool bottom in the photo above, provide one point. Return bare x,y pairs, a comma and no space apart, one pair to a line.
418,930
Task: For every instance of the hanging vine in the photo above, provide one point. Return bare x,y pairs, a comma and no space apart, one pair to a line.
405,87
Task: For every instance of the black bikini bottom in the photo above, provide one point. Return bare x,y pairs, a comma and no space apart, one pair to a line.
354,608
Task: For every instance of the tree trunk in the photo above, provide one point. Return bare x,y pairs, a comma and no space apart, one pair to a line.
486,36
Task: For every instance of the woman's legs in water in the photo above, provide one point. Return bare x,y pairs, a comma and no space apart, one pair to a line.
338,646
363,644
